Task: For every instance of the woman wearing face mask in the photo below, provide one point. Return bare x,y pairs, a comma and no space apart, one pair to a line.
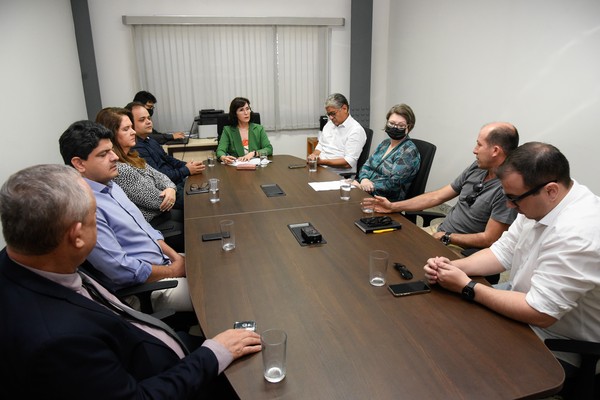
390,170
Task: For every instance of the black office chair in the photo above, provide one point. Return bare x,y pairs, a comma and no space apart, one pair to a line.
223,120
364,155
584,384
142,291
417,187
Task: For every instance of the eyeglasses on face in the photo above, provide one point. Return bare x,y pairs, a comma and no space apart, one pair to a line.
333,113
535,190
397,126
470,199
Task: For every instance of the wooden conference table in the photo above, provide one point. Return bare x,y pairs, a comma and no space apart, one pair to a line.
346,338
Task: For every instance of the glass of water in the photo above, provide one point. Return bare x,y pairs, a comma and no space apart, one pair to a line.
345,188
263,158
274,342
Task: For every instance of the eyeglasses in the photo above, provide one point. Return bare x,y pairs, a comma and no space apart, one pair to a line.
516,199
194,187
150,107
376,221
470,198
333,113
397,126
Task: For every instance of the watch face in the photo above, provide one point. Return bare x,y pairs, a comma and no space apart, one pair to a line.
468,293
446,239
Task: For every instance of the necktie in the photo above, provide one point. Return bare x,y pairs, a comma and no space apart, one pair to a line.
130,313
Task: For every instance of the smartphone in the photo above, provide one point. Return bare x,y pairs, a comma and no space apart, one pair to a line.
213,236
248,325
409,288
293,166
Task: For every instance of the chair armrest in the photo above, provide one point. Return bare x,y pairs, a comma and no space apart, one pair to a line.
146,287
427,216
574,346
584,383
143,293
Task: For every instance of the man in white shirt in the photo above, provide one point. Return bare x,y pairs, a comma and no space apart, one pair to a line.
342,138
551,250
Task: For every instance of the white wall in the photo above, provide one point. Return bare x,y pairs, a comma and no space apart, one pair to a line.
115,57
41,82
464,63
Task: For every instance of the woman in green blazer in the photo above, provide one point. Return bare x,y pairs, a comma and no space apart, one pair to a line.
241,139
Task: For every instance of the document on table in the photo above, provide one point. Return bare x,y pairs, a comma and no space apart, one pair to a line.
252,161
321,186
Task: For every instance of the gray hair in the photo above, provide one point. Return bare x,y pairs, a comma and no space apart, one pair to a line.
336,100
37,206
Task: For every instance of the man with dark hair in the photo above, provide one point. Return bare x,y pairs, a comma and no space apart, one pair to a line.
342,138
551,250
480,216
156,156
149,101
64,336
128,251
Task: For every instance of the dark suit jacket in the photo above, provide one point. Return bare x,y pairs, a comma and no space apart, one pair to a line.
57,344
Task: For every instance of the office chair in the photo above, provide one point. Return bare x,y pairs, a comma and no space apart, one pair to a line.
364,154
417,187
427,151
223,120
584,384
142,291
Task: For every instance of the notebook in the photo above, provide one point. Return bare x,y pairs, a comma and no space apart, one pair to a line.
377,224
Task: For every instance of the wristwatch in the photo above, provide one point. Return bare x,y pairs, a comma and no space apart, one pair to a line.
468,292
446,238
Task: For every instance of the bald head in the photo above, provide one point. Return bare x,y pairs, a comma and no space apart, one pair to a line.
503,135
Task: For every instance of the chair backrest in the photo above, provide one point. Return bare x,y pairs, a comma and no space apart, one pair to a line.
427,152
223,119
364,154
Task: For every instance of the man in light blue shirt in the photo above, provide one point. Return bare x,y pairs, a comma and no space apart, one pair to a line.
128,250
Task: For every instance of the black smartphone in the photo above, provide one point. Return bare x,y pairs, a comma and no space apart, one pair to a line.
213,236
409,288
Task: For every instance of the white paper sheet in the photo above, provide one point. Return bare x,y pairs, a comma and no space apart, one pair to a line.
321,186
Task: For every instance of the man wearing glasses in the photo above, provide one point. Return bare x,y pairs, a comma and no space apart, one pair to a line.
551,250
342,138
481,215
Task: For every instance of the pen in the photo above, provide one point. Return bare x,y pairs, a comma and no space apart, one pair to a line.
384,230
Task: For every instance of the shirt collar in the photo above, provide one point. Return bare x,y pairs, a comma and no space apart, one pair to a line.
549,218
99,187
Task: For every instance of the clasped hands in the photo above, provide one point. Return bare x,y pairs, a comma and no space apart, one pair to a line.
168,199
440,270
365,185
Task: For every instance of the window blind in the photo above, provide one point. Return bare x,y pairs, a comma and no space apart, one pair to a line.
282,70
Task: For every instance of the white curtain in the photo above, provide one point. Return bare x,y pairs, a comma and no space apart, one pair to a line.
282,70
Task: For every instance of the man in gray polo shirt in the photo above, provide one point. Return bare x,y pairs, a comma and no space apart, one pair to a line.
481,215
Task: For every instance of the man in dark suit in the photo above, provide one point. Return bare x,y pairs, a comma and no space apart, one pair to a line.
149,101
58,338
